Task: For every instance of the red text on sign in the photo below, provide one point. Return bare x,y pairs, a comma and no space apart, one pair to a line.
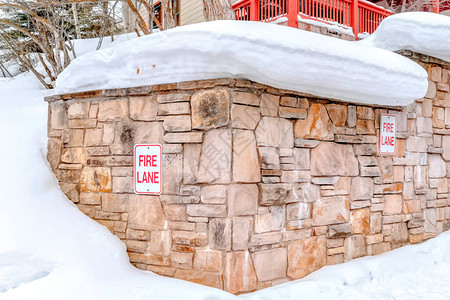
148,177
147,160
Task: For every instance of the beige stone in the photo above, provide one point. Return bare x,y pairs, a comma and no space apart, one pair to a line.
245,98
122,184
269,105
214,194
338,114
298,211
184,137
437,166
271,221
243,199
160,242
114,202
145,213
219,233
58,115
215,159
246,167
177,123
392,204
172,173
112,110
182,260
331,210
178,108
143,108
172,98
361,188
292,112
241,231
208,260
206,210
54,148
330,159
95,179
269,158
204,278
93,137
306,256
244,117
360,220
210,109
399,233
446,147
108,133
274,132
316,126
239,274
73,138
365,113
281,193
78,110
175,212
270,264
301,158
191,159
74,156
355,246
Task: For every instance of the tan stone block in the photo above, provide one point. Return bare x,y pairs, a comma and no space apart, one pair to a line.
71,190
292,113
108,133
112,110
208,260
270,264
88,210
114,202
242,228
269,105
182,260
269,158
274,132
289,101
411,206
316,126
122,184
365,113
58,115
338,114
271,221
93,137
54,148
355,246
301,158
90,198
160,242
361,188
136,246
214,194
219,233
82,123
360,220
205,278
282,193
170,98
78,110
177,123
206,210
244,117
74,156
342,186
436,74
145,213
210,109
243,199
246,98
375,222
330,159
191,160
306,256
392,204
298,211
73,137
143,108
96,179
246,167
436,166
175,212
172,173
239,274
189,238
438,117
365,127
215,160
399,233
331,210
178,108
140,235
93,110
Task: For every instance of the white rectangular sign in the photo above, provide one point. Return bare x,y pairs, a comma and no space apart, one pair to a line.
148,169
387,134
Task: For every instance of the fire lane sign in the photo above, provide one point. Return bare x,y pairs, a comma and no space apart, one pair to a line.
148,169
388,134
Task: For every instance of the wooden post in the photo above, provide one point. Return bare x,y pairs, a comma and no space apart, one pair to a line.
292,12
436,8
355,17
254,10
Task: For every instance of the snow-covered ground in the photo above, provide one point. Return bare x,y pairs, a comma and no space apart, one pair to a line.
50,250
278,56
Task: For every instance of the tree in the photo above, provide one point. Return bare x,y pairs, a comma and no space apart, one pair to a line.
217,10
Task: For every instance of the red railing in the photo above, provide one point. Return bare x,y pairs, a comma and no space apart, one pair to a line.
361,15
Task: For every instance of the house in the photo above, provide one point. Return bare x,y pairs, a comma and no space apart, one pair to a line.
346,19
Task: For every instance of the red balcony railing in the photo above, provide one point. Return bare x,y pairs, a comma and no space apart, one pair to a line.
361,15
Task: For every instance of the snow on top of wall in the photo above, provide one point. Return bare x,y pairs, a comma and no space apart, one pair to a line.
278,56
423,32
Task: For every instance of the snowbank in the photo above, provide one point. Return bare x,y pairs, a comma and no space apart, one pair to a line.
279,56
48,248
426,33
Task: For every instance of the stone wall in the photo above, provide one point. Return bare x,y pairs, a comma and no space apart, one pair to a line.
261,185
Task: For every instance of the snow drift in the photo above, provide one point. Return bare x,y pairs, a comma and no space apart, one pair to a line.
278,56
426,33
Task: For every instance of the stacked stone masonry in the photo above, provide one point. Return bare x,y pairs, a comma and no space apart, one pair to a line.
260,185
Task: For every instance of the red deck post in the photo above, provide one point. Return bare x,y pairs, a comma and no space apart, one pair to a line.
292,12
436,6
355,17
254,10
